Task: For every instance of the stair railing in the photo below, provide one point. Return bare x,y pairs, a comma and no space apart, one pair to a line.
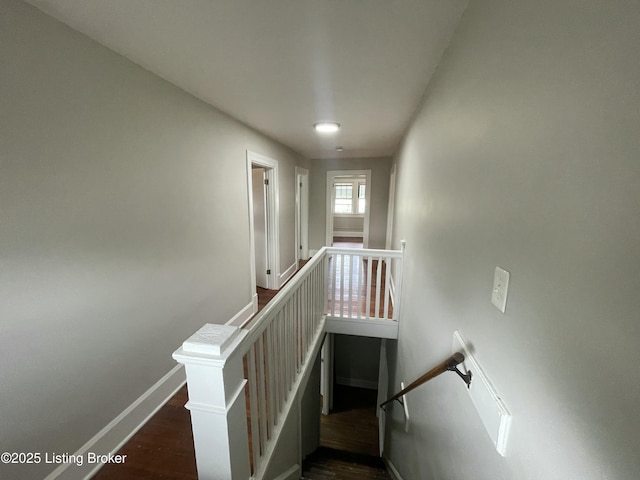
364,283
244,382
448,365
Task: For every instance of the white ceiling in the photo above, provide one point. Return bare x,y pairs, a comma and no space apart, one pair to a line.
282,65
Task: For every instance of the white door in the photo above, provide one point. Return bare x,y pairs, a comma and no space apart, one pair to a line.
260,224
302,213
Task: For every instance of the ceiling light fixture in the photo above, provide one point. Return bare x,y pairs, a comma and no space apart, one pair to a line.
339,149
326,127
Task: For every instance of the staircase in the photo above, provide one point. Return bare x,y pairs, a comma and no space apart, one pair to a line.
348,439
331,464
246,384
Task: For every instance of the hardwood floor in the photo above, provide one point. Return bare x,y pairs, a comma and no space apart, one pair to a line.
264,297
352,425
348,242
330,464
348,439
350,297
161,449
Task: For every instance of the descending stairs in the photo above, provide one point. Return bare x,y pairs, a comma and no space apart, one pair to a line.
331,464
348,439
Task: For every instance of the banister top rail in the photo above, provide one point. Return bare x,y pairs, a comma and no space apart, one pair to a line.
366,252
289,286
285,290
253,326
256,324
449,365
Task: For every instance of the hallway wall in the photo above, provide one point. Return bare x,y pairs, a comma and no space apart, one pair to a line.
524,155
123,210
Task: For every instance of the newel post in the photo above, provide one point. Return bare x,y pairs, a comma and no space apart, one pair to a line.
215,380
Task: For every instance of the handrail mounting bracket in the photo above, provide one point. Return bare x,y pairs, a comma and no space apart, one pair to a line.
465,377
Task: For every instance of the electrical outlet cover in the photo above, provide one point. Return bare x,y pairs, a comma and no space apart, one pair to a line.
500,288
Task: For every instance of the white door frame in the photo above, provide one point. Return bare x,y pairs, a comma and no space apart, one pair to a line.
326,374
302,214
383,392
273,261
331,174
391,206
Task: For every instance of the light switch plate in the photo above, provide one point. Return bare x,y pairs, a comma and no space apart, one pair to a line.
500,288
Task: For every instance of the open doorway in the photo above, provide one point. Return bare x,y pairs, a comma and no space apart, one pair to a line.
260,226
350,387
262,183
349,440
348,205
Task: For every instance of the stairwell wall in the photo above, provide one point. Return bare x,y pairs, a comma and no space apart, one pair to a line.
524,155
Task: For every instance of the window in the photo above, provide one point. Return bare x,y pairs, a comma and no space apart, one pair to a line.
343,198
361,197
344,201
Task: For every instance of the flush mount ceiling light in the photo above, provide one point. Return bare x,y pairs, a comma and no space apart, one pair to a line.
326,127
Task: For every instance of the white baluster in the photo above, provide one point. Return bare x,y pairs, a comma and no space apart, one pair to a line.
256,447
387,286
378,281
350,280
368,292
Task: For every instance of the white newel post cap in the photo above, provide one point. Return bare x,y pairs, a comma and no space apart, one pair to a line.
211,339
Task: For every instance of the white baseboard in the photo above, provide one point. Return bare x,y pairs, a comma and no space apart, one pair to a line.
292,474
393,471
246,313
288,273
117,432
347,233
357,382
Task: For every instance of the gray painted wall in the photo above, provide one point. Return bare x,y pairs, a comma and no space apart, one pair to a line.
357,360
351,224
380,169
123,210
310,407
525,155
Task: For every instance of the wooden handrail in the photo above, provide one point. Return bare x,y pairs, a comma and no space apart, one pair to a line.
450,364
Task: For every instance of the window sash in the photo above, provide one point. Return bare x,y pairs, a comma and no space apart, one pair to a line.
349,198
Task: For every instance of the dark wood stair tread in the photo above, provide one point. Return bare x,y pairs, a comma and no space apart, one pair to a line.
331,464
